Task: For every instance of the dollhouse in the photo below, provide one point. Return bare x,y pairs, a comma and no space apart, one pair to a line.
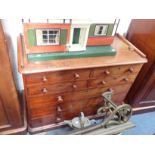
68,39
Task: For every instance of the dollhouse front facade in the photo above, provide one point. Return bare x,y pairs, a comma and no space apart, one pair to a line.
68,39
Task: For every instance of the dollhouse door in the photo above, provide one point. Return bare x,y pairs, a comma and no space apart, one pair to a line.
78,37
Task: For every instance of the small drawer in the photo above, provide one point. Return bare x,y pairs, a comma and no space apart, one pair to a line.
56,88
111,81
117,70
56,77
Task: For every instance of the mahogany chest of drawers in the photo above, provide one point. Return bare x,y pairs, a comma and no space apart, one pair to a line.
59,90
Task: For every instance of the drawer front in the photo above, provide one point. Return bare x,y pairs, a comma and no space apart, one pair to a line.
65,111
49,115
56,88
112,81
117,70
56,77
44,120
42,111
57,99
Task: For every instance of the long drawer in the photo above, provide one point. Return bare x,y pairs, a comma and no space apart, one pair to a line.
61,98
80,85
56,77
56,88
50,115
74,75
69,107
68,111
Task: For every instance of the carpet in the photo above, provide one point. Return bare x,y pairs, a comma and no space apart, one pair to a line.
145,125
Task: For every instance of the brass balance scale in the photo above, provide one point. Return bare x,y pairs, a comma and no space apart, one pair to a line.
115,119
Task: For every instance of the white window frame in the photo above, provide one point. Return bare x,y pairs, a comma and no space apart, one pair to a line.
40,40
103,31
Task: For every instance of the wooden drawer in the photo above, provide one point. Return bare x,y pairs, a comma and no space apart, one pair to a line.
112,81
80,105
47,108
44,120
117,70
42,111
48,114
74,96
66,111
56,88
70,115
56,77
56,99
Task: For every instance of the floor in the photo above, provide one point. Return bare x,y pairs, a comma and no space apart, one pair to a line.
145,125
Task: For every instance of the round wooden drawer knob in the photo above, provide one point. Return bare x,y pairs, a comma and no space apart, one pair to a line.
107,72
74,86
60,99
58,119
76,75
111,90
126,79
44,90
59,109
44,79
131,69
103,82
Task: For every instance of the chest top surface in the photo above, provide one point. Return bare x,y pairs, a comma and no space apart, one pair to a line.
126,54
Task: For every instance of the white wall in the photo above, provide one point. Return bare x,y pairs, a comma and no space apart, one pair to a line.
123,26
14,28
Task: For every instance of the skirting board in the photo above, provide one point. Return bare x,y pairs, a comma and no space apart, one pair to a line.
17,131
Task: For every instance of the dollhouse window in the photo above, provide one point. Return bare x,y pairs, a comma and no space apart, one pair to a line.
48,36
101,30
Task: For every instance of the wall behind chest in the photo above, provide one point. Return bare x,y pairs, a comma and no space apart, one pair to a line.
12,29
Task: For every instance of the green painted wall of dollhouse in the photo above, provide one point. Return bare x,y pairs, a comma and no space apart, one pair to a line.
63,37
32,37
110,29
